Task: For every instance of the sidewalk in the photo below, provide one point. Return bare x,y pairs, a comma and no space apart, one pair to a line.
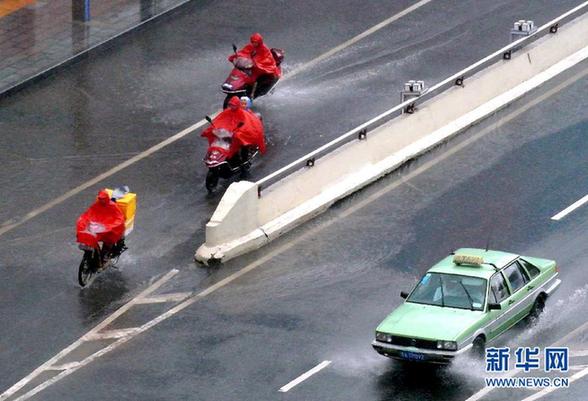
38,35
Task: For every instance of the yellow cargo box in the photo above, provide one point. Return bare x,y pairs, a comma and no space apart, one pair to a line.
128,206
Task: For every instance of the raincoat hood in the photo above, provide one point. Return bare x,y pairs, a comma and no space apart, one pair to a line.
103,221
256,38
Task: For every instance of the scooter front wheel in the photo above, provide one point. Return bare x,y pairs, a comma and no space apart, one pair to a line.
212,179
86,269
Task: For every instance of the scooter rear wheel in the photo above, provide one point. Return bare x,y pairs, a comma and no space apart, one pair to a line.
86,269
212,179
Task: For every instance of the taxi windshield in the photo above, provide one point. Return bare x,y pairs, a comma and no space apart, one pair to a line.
450,290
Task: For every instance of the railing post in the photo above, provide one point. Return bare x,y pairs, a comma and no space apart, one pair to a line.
522,28
412,89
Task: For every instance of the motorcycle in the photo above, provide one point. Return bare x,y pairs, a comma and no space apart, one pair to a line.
97,258
224,158
241,83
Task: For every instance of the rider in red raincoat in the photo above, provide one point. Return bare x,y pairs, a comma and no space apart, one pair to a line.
264,62
103,221
250,133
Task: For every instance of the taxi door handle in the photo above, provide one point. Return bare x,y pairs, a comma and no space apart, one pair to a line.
530,287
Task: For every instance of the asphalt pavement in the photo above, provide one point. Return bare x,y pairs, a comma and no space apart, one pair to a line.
321,297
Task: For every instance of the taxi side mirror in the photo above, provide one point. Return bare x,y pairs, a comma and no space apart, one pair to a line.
494,307
403,294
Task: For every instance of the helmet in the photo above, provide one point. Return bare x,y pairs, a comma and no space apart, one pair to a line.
246,102
256,38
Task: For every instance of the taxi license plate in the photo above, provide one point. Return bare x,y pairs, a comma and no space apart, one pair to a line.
412,356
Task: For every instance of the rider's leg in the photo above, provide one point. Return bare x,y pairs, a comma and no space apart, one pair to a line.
265,83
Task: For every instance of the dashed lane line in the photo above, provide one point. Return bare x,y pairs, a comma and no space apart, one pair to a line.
359,37
578,354
16,222
50,364
578,367
305,376
426,166
95,333
561,342
548,390
570,209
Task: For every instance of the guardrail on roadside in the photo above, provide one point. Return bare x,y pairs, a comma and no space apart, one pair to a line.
410,106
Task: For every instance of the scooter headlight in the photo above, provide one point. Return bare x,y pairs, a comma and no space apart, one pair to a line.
215,155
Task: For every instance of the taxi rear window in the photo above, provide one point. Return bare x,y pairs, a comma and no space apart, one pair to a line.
531,269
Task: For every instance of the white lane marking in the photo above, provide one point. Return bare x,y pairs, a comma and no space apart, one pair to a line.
578,367
561,342
305,376
524,108
311,232
482,392
12,224
359,37
107,334
65,366
60,199
577,354
548,390
570,209
20,384
139,330
175,297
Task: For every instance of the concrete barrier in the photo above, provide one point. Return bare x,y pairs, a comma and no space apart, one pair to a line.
245,221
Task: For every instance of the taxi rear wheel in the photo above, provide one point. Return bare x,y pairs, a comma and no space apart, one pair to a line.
537,309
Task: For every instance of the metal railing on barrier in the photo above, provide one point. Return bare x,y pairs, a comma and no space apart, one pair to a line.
410,106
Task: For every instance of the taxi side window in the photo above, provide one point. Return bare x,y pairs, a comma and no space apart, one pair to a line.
531,269
498,289
515,276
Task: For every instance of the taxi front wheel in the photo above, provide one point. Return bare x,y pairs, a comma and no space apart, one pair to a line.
479,347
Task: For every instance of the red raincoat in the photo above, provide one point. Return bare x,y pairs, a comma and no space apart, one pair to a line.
103,221
251,133
261,55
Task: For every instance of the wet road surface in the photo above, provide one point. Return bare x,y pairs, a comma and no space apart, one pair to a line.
321,298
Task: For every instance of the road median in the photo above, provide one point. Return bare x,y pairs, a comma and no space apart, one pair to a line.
251,215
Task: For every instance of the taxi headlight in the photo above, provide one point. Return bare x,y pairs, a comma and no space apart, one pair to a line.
383,337
447,345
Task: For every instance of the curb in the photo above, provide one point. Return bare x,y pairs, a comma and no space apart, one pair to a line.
317,204
87,53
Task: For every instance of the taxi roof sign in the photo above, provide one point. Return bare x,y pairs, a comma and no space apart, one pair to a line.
473,260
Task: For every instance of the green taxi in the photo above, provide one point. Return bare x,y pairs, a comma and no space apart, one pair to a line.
463,303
